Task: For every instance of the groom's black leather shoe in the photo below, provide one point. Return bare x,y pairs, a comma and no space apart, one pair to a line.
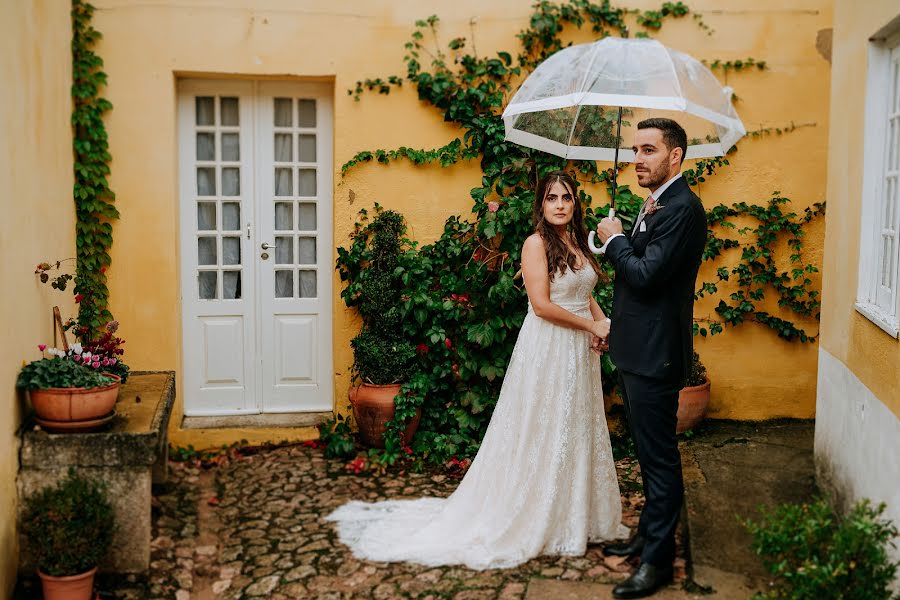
632,547
646,580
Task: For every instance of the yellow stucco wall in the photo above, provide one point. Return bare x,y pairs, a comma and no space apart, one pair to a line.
147,46
38,214
871,354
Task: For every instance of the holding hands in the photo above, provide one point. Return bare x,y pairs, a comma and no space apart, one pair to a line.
600,336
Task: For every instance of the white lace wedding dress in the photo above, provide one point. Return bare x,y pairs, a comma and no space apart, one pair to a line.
543,481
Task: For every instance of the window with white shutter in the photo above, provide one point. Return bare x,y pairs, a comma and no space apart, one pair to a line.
880,237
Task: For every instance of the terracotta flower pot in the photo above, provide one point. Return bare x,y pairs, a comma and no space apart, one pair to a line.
373,407
73,587
76,404
692,403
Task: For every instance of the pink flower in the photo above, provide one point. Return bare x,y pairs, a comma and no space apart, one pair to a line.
493,206
42,347
112,361
96,364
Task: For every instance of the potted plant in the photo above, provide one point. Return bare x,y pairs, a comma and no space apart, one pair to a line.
694,397
66,394
68,529
382,358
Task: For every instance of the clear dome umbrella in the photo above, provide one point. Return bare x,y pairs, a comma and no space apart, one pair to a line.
583,101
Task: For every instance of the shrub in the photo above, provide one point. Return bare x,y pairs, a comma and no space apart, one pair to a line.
337,438
697,375
814,554
69,527
381,353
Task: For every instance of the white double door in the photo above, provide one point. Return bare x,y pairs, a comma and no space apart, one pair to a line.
255,233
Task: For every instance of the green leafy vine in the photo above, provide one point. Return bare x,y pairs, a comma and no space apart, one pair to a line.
463,302
94,207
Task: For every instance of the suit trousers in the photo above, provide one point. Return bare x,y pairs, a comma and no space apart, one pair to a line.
651,407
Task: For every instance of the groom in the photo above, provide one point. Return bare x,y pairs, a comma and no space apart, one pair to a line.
651,338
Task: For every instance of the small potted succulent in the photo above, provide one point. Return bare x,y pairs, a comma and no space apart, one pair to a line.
68,529
693,399
383,358
66,394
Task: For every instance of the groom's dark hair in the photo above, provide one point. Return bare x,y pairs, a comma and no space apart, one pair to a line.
673,134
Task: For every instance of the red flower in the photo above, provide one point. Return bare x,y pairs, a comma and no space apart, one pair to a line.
464,298
79,298
422,348
357,465
453,296
407,449
448,343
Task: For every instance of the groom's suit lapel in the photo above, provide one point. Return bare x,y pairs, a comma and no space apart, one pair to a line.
640,239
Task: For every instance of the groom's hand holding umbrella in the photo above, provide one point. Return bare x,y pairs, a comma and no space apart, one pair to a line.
609,227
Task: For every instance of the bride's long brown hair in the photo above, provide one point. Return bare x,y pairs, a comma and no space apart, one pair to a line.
559,257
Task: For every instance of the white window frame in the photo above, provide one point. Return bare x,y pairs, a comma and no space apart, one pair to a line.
878,303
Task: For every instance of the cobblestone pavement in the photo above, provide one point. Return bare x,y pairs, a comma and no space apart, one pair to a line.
254,528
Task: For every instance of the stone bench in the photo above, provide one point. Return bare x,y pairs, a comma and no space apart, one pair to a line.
129,455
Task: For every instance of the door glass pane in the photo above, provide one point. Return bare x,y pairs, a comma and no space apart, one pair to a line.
206,216
307,216
206,251
283,147
307,182
306,113
231,181
307,247
284,284
231,285
206,181
206,146
207,281
284,216
284,250
206,111
283,182
231,146
231,251
231,216
307,284
229,108
283,112
307,148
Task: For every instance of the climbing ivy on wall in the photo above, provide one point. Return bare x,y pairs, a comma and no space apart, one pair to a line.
94,208
463,301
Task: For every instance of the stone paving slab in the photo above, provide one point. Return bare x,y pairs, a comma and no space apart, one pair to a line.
730,469
253,528
727,587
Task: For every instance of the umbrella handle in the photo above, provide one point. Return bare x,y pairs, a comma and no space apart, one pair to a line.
593,234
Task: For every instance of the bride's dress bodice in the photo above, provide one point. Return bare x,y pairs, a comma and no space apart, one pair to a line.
572,289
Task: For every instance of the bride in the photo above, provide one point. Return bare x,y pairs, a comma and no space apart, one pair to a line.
544,480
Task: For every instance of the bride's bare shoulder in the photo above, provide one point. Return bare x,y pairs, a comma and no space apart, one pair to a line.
533,242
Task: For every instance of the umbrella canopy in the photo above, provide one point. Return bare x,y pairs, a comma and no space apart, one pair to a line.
570,104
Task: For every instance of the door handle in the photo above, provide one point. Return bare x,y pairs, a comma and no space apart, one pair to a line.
267,246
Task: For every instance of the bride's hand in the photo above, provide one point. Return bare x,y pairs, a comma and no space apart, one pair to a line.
601,328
